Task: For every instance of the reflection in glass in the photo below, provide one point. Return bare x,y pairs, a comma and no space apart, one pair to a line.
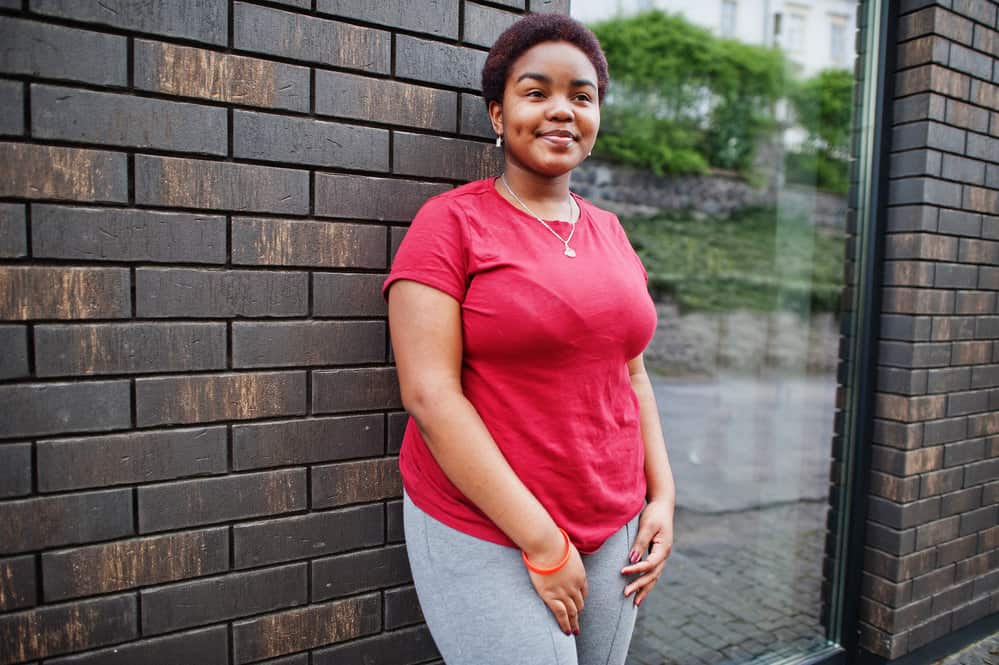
726,156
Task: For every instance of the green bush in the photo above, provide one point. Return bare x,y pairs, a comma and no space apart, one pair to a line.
822,106
682,100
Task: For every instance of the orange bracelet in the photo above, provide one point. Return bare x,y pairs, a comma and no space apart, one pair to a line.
557,567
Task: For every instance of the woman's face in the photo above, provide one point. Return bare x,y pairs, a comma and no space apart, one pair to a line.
550,112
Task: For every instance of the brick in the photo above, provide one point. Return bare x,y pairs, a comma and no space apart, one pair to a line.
987,327
474,118
32,409
37,292
17,583
970,353
427,16
906,463
885,592
307,536
361,197
124,120
311,39
909,409
439,157
984,94
349,574
900,490
941,482
57,629
276,138
57,52
929,631
13,352
209,646
355,389
928,134
11,108
950,328
911,218
965,60
401,647
917,301
201,22
355,482
988,278
305,628
211,397
932,78
909,328
975,302
191,72
945,431
215,599
484,24
981,472
126,564
402,608
977,520
54,172
920,246
436,62
959,222
932,583
895,434
194,502
970,612
187,183
935,19
128,348
397,423
380,100
281,343
963,452
979,11
15,474
986,376
924,190
134,457
968,117
988,539
948,379
909,273
260,445
890,540
114,234
394,532
895,619
286,242
346,294
965,170
955,550
937,532
909,355
930,48
980,198
924,106
915,162
192,293
903,516
959,404
34,524
13,230
397,235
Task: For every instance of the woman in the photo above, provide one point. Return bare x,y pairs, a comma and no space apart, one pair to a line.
518,314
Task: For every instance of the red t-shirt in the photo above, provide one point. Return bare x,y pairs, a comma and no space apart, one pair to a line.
546,341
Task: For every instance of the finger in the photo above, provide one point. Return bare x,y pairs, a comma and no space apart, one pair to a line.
659,554
586,588
641,544
577,598
561,615
640,596
574,622
641,582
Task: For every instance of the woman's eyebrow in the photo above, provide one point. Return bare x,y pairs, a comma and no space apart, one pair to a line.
541,78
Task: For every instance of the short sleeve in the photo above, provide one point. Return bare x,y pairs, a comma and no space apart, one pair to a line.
434,250
631,248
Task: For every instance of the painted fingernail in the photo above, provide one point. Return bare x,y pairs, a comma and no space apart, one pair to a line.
575,632
634,556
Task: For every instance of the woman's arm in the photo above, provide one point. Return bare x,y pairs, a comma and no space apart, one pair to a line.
656,524
425,325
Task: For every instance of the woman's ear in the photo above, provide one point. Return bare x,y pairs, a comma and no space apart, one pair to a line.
496,117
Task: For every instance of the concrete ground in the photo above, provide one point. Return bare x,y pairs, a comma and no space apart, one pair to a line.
983,652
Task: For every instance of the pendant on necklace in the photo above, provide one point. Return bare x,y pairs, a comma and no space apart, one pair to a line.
570,252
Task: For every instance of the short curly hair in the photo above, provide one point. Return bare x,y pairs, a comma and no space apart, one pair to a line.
530,31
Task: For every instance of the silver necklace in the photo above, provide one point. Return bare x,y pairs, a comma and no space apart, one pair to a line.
569,251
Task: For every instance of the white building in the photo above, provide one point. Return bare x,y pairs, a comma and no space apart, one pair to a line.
814,34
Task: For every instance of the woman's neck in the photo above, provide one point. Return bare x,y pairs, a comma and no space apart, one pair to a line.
547,196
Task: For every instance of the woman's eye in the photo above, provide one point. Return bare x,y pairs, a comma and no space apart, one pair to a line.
535,93
583,97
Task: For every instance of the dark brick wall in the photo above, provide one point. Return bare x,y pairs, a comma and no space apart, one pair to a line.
200,418
931,563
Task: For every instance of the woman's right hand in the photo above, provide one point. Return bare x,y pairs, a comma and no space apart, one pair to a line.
564,591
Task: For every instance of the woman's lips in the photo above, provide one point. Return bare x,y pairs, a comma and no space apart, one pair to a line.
560,140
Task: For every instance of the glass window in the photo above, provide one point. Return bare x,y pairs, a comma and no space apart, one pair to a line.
728,13
796,25
837,41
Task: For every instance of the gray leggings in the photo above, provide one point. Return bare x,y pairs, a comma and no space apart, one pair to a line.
481,608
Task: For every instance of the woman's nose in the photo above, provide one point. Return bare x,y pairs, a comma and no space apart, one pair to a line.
559,109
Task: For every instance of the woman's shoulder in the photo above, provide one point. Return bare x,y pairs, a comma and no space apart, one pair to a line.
463,194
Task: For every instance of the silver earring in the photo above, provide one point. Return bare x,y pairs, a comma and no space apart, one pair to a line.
499,141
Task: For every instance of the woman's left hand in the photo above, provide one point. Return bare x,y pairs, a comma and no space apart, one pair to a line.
656,527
